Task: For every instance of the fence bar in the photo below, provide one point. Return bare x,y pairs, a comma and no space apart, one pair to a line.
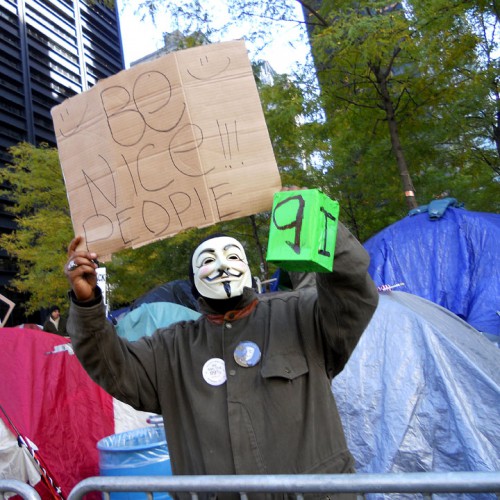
22,489
411,482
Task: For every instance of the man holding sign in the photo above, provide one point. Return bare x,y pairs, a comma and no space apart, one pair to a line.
246,388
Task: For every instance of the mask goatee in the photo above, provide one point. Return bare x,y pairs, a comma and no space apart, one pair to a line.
227,288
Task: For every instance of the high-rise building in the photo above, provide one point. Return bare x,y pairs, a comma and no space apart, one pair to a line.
49,50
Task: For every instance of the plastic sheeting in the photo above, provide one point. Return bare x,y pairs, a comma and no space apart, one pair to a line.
132,449
15,460
421,392
148,317
141,452
453,261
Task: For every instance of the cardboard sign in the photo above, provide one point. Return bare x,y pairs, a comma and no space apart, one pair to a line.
170,144
10,306
303,231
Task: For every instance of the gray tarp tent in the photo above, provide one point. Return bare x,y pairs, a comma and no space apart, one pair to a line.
421,391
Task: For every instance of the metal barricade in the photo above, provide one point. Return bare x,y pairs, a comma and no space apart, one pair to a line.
19,488
425,483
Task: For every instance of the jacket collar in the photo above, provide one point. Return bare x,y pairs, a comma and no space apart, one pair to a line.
245,307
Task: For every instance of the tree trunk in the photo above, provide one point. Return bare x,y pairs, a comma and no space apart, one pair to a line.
496,124
408,189
264,268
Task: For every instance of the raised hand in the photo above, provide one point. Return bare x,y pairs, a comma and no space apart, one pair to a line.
80,269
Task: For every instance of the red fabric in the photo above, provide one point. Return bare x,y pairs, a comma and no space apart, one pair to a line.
52,401
41,489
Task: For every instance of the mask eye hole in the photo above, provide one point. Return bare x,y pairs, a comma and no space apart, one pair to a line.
207,260
233,256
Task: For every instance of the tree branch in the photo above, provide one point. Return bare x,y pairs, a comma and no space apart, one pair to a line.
322,21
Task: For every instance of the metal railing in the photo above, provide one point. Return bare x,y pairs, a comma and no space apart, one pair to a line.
19,488
425,483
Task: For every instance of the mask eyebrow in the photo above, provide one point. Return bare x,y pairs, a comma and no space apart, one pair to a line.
231,245
200,255
207,250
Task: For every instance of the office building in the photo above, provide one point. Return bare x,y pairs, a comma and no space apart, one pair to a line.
49,50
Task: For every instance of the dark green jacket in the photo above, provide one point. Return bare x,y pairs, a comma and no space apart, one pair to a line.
277,417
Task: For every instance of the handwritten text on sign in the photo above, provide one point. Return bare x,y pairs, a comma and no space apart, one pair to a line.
303,231
167,145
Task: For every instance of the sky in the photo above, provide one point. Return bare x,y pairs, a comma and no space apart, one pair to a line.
140,38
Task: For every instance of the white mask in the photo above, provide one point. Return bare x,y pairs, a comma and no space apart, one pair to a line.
220,268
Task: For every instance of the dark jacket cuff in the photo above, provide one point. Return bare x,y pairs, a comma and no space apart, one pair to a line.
87,303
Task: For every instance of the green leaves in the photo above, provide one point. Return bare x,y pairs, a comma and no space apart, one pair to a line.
36,188
414,88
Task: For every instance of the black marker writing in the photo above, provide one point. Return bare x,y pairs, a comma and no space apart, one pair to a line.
328,216
296,223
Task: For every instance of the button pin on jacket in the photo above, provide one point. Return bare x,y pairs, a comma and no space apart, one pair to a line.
247,354
214,371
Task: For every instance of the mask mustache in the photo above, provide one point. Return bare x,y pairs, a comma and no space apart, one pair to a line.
222,274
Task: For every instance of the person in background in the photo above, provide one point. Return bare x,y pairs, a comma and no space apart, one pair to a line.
245,388
55,323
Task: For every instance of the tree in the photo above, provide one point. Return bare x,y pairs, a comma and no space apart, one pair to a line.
36,188
409,92
431,70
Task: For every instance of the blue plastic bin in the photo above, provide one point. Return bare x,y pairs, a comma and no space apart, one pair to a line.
141,452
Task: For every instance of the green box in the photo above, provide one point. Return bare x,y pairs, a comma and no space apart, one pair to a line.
303,231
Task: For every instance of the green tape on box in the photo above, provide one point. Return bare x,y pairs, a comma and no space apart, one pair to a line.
303,231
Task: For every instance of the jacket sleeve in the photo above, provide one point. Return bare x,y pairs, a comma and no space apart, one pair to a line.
347,299
124,369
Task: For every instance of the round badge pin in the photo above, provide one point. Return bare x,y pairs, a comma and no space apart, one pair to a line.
247,354
214,371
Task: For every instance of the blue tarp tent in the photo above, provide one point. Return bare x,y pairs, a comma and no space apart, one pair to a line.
452,259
